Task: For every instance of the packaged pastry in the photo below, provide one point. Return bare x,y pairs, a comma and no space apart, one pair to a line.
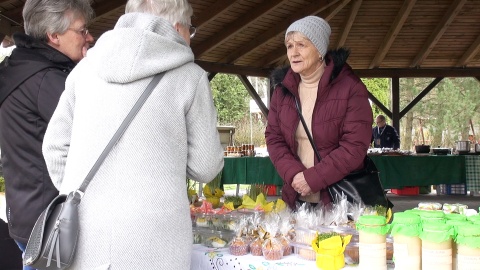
272,249
215,242
256,247
238,246
429,206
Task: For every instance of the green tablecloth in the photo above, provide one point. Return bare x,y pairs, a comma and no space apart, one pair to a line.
250,170
472,171
400,171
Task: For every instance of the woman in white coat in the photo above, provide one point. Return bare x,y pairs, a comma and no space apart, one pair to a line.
135,212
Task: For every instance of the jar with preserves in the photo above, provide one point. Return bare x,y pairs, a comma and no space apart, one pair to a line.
372,246
455,224
436,246
407,246
468,246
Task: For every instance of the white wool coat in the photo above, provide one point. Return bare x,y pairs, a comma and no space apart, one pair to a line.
135,212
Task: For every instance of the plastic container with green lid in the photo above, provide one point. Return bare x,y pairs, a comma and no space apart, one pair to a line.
407,246
372,248
468,246
436,246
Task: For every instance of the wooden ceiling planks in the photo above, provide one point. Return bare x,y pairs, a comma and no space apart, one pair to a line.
387,37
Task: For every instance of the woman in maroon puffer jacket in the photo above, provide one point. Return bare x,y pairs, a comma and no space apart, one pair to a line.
334,103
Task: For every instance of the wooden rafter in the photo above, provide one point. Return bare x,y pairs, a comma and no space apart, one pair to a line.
315,7
235,27
392,33
106,7
213,12
442,26
253,93
279,54
349,22
420,96
470,53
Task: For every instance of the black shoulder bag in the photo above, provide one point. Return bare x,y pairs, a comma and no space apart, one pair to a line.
53,240
362,186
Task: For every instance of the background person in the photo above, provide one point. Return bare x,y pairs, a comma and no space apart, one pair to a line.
31,82
383,135
135,213
335,105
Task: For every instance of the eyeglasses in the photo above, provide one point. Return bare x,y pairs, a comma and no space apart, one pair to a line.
83,32
192,29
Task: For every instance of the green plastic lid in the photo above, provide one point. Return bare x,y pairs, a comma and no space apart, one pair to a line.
431,214
406,218
455,224
373,224
407,224
474,218
413,211
468,235
455,217
436,232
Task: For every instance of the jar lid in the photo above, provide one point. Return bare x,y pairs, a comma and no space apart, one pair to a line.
431,214
455,217
474,218
372,220
458,222
405,218
469,230
436,227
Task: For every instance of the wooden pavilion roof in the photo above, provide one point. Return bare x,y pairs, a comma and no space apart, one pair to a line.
387,38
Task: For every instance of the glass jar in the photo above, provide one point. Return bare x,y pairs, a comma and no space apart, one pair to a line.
407,246
455,224
436,246
372,246
468,246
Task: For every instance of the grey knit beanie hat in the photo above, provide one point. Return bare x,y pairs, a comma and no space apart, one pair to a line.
315,29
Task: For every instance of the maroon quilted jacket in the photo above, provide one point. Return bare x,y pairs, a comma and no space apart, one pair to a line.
341,123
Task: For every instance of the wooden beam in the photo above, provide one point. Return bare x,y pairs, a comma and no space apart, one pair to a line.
380,105
211,76
314,8
392,33
334,11
395,99
420,96
349,22
442,26
106,7
417,73
470,53
235,27
211,13
253,93
233,69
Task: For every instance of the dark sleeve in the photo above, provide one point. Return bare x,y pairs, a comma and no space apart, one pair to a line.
50,89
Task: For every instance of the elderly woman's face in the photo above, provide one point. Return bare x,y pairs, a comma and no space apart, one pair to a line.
303,56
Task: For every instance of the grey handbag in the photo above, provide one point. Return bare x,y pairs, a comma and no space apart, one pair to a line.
53,240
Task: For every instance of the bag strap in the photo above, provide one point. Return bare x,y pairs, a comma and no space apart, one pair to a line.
128,119
309,135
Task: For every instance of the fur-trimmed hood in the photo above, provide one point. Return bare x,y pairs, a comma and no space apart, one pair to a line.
339,58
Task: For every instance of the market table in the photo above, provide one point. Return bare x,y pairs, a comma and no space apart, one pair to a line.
472,172
204,258
420,170
250,170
